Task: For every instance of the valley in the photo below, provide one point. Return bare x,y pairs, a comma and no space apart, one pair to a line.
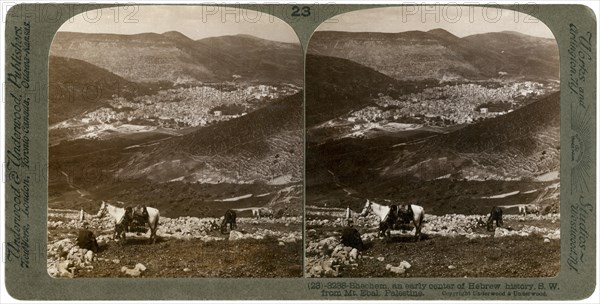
456,125
192,128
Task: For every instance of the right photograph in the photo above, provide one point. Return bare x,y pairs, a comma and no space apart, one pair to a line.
432,144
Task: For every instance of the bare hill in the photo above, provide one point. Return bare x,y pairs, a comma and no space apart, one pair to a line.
521,144
77,86
438,54
264,145
173,57
335,86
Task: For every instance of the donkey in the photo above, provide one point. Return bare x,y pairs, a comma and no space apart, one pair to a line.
413,213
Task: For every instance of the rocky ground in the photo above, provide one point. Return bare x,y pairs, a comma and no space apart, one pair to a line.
453,245
186,247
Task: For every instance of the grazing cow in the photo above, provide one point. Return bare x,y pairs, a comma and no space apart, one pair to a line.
87,240
351,237
229,218
495,215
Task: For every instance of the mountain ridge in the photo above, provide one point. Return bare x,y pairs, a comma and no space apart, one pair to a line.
174,57
437,53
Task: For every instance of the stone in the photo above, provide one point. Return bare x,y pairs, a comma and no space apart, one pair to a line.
116,261
89,256
133,273
327,264
281,244
451,267
140,267
317,270
186,270
353,255
405,264
53,272
398,270
381,259
63,269
235,235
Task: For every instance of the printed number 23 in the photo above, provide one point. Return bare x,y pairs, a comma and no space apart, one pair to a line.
297,11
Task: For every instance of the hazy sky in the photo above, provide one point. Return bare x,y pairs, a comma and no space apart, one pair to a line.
459,20
195,22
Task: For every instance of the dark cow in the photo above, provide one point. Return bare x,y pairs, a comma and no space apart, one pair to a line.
87,240
495,215
351,237
229,218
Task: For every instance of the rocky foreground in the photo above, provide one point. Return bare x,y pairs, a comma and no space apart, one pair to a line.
326,256
66,259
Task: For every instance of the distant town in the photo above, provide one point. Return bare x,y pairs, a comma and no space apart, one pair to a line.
192,106
449,105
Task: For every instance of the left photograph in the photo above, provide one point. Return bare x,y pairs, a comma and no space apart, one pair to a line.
175,144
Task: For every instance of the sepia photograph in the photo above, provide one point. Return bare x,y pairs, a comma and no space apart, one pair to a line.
432,145
175,144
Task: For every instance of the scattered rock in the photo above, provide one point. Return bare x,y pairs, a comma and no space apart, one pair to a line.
353,255
89,256
405,264
235,235
63,269
135,272
400,269
140,267
131,272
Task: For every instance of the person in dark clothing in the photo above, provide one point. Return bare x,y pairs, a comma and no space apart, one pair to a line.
351,237
87,240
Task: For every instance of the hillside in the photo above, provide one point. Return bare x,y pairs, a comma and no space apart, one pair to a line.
521,144
524,55
514,158
173,57
335,86
77,86
264,145
438,54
